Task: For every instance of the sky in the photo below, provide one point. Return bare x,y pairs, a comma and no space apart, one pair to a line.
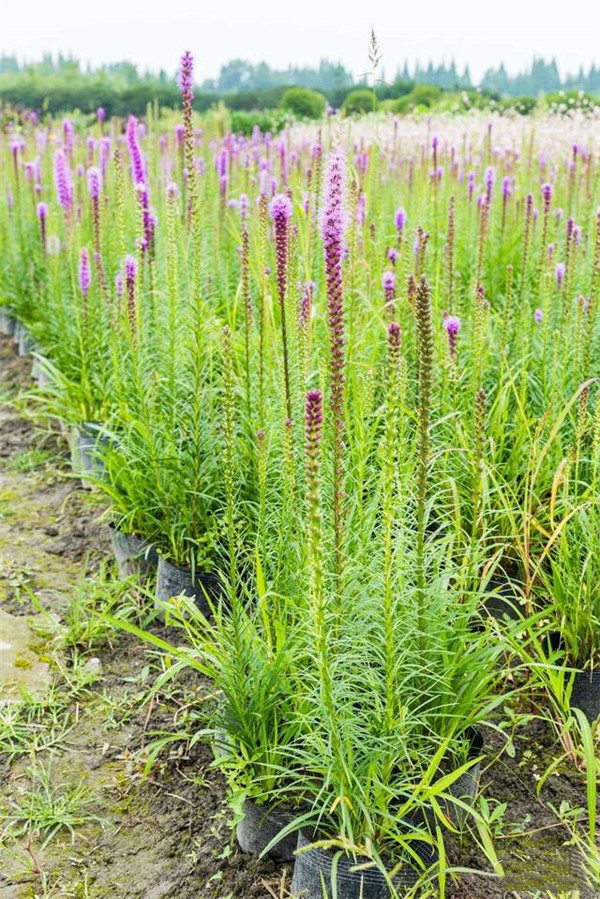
154,33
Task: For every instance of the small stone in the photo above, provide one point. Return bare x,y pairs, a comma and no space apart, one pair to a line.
93,667
51,530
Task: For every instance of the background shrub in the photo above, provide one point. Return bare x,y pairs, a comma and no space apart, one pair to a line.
304,103
359,102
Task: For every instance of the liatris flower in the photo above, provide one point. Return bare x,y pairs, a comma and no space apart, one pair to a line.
281,211
100,115
333,244
85,276
186,76
68,135
308,293
547,195
452,326
560,274
138,169
394,339
94,181
119,284
388,282
400,218
42,214
313,418
526,243
104,154
506,193
425,356
471,184
538,316
186,84
147,221
222,167
314,426
63,181
130,278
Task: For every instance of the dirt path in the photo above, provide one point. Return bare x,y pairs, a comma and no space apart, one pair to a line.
72,751
167,836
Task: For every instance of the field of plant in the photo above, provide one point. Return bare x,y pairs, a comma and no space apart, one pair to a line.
334,394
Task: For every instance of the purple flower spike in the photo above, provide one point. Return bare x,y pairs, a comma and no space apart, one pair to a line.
400,219
42,214
452,325
560,274
94,181
85,276
130,269
306,304
547,195
333,240
119,284
130,275
394,336
186,76
280,208
538,316
138,169
314,426
101,115
63,181
388,282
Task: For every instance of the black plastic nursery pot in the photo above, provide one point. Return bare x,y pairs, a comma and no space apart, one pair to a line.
171,580
7,323
261,825
27,343
465,788
320,873
39,373
17,332
86,450
502,601
585,694
134,556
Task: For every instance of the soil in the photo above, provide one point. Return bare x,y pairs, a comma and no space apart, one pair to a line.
169,834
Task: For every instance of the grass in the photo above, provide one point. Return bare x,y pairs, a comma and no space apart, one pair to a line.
44,808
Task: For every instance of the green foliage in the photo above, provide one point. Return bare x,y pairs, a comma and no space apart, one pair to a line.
273,120
303,103
359,101
424,95
352,660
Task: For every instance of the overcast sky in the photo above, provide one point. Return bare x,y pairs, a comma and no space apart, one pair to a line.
153,33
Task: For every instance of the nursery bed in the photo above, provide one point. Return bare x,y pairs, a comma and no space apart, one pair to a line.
169,835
